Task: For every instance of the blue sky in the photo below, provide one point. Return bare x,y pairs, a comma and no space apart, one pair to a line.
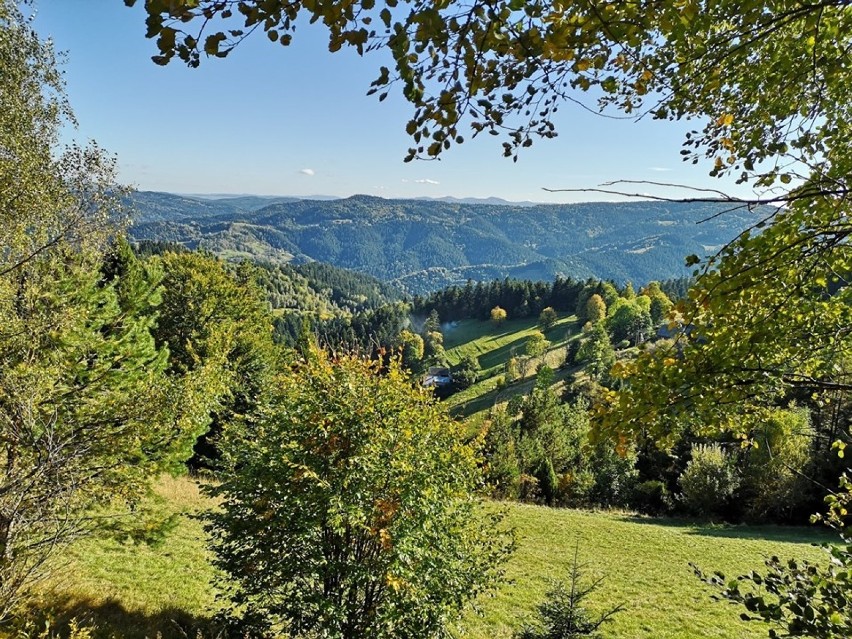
296,121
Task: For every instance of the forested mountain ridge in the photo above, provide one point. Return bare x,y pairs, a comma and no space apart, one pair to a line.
315,288
426,245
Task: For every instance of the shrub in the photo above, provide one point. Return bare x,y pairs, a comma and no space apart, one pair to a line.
466,373
575,488
571,352
349,509
773,485
47,629
709,480
652,498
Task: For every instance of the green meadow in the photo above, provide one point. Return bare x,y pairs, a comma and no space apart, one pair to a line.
152,574
492,346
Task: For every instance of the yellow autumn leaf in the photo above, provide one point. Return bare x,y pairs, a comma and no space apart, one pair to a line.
725,119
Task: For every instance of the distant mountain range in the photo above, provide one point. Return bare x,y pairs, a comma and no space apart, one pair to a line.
423,245
269,199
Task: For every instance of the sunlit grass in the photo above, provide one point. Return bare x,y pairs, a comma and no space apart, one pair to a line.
134,588
492,345
645,563
148,572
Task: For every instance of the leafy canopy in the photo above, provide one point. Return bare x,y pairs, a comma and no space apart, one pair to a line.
767,83
350,509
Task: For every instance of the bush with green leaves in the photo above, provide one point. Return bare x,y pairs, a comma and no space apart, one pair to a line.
350,509
775,485
709,481
652,497
466,373
799,598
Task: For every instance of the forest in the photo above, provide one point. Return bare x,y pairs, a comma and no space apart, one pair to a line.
201,435
422,245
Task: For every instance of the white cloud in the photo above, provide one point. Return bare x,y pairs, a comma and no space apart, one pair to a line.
660,169
427,181
308,172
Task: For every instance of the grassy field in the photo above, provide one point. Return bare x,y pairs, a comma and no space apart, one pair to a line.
645,563
135,584
146,574
492,346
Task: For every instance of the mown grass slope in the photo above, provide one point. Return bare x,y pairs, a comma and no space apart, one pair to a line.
492,346
645,563
157,579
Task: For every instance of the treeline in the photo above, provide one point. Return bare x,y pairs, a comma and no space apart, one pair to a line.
520,298
541,447
525,298
366,332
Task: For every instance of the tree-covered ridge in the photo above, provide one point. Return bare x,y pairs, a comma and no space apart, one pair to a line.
169,206
426,245
315,288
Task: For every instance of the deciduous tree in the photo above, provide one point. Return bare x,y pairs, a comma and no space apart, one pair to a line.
498,315
547,318
536,344
595,309
351,510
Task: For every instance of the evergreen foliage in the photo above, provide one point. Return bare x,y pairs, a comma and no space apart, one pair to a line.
87,413
214,322
563,614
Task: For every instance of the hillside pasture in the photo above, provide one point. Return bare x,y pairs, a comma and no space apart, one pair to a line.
144,577
492,346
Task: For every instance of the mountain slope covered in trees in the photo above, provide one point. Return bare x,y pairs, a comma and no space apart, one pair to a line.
425,245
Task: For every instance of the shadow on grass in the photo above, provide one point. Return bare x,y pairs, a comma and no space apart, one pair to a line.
110,619
498,356
490,398
767,532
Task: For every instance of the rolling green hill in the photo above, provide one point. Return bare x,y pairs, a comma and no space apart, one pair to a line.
492,346
151,574
425,245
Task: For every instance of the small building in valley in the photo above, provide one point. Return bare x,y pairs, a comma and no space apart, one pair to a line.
438,376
